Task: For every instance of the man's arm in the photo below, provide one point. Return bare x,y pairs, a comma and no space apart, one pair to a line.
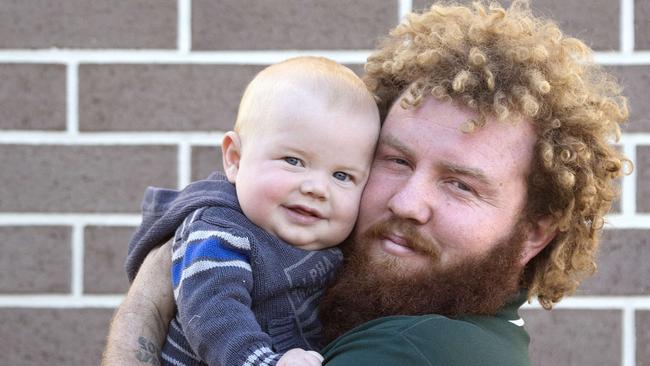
139,326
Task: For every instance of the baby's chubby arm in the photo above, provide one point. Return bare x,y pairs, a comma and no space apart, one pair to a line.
213,281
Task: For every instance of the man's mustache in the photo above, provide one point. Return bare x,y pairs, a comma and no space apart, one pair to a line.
407,231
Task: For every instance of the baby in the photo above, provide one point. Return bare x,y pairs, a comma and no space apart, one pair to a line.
253,250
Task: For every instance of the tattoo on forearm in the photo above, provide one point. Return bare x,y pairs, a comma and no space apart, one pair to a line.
148,352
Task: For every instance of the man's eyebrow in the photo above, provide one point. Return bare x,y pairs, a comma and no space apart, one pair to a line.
474,173
396,144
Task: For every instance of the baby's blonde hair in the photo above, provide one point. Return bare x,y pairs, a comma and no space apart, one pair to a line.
335,85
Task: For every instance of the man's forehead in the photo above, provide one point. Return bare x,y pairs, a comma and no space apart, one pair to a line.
450,114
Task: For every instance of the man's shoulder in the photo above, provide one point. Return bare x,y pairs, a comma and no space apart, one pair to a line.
432,340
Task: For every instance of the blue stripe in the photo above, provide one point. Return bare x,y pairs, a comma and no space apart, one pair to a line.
177,270
210,249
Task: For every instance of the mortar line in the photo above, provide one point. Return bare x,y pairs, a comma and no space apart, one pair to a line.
184,26
184,164
264,57
627,26
49,301
109,138
629,337
77,260
72,98
173,56
67,219
405,7
628,188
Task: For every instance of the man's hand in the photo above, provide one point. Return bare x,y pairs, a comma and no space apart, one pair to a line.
139,326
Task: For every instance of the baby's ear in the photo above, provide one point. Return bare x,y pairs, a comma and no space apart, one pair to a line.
231,154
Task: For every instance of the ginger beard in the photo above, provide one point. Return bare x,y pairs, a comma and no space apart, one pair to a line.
368,288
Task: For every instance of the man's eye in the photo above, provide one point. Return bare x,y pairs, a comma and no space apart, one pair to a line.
293,161
462,186
344,177
399,161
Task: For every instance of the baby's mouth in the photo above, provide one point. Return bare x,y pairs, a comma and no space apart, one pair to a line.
306,211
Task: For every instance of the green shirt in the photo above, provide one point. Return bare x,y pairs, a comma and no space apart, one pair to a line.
435,340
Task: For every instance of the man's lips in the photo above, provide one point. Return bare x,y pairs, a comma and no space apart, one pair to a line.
396,245
303,214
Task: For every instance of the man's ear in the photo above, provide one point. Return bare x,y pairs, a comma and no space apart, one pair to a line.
538,235
231,154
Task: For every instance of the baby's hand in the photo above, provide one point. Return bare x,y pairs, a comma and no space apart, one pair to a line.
300,357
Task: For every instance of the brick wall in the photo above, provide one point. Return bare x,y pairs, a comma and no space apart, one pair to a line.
99,99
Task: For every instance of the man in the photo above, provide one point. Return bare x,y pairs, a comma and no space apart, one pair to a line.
490,182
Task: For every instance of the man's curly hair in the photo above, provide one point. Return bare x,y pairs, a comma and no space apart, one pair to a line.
508,64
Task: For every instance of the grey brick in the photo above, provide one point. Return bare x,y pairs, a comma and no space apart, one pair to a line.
68,337
642,25
32,96
104,256
596,22
622,264
357,68
642,166
205,160
642,337
635,80
35,259
88,24
161,97
46,178
574,337
286,24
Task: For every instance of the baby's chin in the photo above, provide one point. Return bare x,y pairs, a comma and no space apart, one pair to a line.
306,244
315,243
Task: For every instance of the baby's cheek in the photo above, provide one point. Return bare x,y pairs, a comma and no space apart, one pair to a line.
350,208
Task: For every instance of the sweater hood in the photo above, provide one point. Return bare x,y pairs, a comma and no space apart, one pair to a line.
163,211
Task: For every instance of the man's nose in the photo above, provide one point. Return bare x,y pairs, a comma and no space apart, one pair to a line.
413,200
315,185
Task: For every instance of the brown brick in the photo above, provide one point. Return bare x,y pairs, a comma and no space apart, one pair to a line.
642,25
104,256
642,166
622,265
635,80
205,160
161,97
642,337
53,336
88,24
595,22
47,178
32,96
286,24
574,337
35,259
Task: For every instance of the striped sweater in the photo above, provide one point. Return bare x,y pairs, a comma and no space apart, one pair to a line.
243,296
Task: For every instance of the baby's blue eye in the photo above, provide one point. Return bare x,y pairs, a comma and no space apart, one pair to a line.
341,176
293,161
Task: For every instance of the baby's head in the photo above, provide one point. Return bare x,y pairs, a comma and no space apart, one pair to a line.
301,150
